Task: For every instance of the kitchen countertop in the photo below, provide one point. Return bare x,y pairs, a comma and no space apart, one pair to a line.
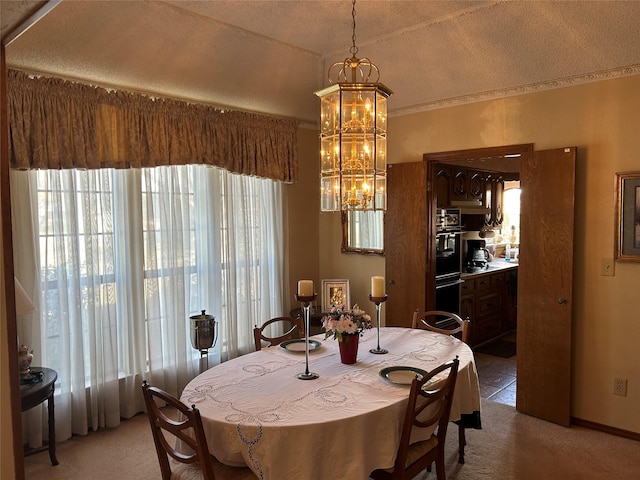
497,265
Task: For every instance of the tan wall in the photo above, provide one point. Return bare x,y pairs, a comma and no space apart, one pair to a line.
303,201
602,120
330,263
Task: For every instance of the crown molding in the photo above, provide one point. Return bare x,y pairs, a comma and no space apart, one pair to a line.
519,90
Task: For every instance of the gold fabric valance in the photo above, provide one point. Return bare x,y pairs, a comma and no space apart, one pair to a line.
55,123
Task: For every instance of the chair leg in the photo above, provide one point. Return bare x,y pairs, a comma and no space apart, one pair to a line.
440,473
462,441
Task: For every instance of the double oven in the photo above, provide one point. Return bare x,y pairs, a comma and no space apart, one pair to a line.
448,259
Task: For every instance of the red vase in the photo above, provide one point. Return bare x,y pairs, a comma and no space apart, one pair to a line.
349,348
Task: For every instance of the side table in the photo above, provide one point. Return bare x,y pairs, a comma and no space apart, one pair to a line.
36,393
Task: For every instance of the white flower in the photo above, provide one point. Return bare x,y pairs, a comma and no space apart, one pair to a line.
340,321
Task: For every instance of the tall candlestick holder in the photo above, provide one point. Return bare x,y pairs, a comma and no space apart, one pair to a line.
378,301
306,300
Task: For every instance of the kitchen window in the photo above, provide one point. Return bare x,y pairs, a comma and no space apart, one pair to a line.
511,207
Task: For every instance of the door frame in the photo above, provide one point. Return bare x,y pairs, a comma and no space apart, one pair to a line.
472,157
530,400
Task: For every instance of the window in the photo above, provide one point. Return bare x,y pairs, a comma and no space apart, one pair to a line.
511,206
125,257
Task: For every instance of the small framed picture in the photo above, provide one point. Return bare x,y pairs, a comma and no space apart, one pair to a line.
627,234
335,292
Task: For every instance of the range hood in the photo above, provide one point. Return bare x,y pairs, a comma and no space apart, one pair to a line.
471,207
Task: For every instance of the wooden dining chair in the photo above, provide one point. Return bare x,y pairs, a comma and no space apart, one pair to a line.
293,328
428,406
449,323
454,326
184,425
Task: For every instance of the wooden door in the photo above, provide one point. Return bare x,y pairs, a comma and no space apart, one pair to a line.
405,242
547,180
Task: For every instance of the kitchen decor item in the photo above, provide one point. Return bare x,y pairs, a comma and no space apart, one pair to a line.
203,336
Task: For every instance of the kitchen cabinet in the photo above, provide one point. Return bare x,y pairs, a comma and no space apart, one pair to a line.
454,183
476,190
494,190
442,185
459,186
511,301
465,184
487,300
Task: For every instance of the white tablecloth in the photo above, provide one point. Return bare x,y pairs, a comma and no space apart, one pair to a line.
343,425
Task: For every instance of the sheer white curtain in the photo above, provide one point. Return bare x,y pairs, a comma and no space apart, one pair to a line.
118,260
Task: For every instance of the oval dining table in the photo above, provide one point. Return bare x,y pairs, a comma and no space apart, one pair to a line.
344,424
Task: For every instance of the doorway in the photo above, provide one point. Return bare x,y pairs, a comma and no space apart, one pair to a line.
544,305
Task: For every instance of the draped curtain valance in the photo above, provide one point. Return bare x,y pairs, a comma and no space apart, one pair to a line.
55,124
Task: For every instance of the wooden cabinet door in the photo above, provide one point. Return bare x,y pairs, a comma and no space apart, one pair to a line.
496,207
493,192
459,183
488,199
545,279
476,190
511,301
405,236
442,185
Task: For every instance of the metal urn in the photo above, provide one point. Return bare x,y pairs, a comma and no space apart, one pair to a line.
203,334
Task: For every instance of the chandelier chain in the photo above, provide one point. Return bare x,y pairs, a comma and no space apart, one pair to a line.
354,49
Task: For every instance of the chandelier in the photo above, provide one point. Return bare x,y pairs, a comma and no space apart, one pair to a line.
353,135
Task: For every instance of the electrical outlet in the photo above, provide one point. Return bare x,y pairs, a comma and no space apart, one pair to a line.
608,267
620,386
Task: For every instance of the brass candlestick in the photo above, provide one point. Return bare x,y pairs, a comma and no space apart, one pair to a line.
378,301
306,300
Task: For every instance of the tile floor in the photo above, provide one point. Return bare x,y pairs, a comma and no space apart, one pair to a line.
497,378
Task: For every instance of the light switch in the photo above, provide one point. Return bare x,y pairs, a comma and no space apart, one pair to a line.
608,267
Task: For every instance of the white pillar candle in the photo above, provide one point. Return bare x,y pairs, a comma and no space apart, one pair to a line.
377,286
305,288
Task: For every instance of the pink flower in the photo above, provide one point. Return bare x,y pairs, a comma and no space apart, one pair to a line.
340,321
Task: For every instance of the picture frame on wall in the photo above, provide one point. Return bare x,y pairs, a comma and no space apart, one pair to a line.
335,292
627,217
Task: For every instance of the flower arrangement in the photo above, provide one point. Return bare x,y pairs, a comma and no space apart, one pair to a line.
341,322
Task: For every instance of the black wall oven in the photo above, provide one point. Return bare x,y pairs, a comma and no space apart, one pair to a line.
448,261
448,254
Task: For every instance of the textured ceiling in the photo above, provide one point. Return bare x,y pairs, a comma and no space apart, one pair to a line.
270,56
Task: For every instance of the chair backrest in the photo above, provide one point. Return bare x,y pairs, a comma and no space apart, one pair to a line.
449,323
292,327
187,428
428,405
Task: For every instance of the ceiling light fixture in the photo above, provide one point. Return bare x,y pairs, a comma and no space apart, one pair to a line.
353,135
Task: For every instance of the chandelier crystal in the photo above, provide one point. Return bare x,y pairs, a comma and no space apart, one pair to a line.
353,135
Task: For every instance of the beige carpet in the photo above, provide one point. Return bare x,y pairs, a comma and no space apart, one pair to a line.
510,446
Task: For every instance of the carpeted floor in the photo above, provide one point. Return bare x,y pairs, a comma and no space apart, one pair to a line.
511,446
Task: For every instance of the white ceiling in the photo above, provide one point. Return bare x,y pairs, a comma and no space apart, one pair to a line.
270,56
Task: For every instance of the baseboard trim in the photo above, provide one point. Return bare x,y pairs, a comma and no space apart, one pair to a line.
605,428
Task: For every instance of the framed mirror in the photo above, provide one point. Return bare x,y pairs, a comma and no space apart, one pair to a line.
363,232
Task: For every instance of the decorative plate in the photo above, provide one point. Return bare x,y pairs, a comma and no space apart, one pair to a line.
401,375
297,346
